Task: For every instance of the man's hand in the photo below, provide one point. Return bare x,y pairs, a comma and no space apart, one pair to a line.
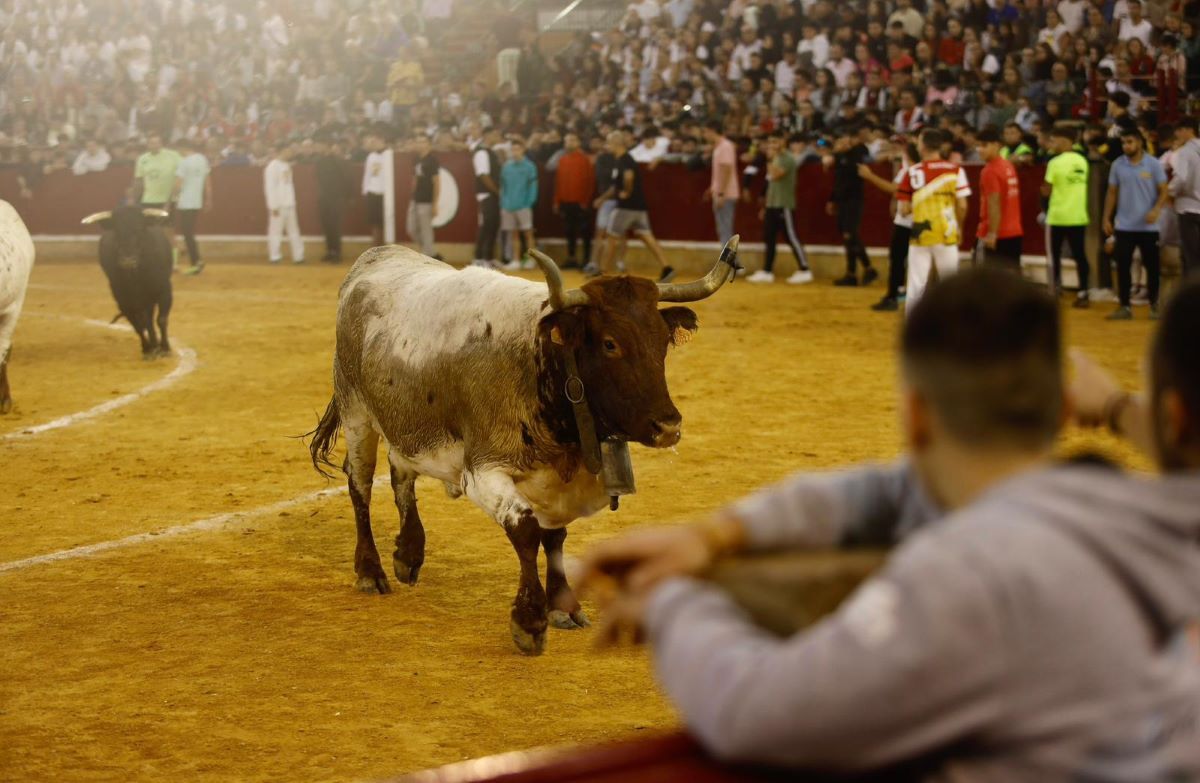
762,213
1108,227
639,560
1092,391
433,210
597,203
864,171
830,209
1152,216
554,208
275,213
989,241
708,194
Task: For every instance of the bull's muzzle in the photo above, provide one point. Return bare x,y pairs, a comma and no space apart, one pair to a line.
667,432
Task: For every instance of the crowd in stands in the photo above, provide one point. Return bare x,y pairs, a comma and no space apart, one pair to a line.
83,85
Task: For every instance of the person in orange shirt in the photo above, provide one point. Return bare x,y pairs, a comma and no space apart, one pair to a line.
574,182
1000,229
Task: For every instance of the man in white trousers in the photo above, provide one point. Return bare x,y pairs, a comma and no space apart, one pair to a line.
934,192
281,204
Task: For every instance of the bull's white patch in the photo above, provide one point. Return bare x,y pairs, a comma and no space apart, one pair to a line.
871,614
187,364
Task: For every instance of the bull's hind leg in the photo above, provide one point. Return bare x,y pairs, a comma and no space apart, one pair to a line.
494,492
6,402
410,543
565,611
362,443
164,313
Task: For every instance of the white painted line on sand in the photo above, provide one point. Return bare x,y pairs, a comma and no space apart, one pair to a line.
187,364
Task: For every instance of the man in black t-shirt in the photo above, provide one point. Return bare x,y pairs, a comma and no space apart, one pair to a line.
426,190
846,204
333,190
630,215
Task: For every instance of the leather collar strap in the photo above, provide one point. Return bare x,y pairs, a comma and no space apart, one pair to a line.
589,444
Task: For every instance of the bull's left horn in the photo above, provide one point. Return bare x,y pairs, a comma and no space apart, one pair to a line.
560,299
152,212
95,217
725,268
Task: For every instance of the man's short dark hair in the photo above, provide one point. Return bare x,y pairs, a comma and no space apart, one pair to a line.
988,135
1173,362
1119,97
1064,132
716,126
984,348
1133,133
649,133
932,138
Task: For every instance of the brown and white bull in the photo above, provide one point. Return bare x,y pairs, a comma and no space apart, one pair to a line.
464,376
16,261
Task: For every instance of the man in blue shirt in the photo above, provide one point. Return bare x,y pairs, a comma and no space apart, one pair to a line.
1137,191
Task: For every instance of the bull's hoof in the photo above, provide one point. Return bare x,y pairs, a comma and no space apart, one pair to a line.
406,574
528,643
162,353
568,621
373,584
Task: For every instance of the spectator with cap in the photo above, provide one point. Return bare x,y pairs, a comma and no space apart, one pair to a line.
1137,192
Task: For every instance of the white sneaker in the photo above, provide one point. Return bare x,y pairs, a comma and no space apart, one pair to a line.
528,264
761,276
800,277
512,266
1102,295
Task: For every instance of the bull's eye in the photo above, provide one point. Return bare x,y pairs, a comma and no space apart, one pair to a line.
611,349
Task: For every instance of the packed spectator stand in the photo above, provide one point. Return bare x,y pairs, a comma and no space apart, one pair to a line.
80,90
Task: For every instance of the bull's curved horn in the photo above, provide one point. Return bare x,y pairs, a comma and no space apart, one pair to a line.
706,286
152,212
559,299
95,217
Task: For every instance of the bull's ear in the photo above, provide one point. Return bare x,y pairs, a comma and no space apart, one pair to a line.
562,327
681,322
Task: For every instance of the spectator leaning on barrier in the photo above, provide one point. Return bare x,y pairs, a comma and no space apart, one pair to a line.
574,185
193,193
427,188
1185,190
91,158
1000,229
1066,185
1030,563
280,192
1137,191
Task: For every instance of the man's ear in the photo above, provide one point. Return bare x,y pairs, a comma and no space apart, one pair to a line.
916,419
682,323
563,328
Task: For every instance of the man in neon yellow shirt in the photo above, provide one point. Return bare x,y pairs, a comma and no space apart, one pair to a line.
1066,184
154,179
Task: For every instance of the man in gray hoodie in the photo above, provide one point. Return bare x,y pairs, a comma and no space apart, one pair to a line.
1032,622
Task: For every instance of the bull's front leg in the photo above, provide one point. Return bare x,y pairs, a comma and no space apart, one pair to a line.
6,402
493,491
565,611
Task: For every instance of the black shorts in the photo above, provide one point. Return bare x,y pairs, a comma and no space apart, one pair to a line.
374,209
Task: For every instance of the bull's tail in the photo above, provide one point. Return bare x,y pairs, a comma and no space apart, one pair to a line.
324,438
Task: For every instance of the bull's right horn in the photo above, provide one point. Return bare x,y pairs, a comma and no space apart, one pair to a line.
154,212
559,299
95,217
725,268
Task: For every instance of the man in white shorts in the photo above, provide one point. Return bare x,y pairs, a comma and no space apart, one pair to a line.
518,194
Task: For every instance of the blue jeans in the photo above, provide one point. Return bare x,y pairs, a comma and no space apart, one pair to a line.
724,217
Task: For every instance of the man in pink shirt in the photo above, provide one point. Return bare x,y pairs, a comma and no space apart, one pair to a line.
724,190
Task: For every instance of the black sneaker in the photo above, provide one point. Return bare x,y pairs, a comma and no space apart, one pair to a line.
847,281
1120,314
668,274
886,305
870,276
1081,301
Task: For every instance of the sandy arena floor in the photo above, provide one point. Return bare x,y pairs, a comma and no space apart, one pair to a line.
239,650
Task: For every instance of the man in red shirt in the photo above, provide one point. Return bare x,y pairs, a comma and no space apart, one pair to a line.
999,205
574,181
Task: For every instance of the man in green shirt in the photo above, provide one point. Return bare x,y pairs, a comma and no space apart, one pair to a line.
1015,150
154,178
777,215
1066,185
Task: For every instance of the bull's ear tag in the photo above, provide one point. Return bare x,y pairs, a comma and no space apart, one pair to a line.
556,336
